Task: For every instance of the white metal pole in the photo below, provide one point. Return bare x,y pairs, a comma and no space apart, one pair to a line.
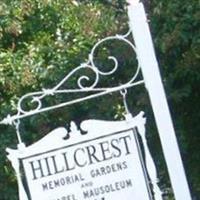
147,59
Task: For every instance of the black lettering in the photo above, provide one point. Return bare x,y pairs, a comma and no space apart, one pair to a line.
56,183
45,186
86,194
55,165
39,169
125,166
62,181
76,160
68,180
114,144
103,172
51,185
128,183
66,162
48,168
91,154
124,139
105,148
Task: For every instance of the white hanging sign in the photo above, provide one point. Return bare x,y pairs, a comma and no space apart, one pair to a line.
106,163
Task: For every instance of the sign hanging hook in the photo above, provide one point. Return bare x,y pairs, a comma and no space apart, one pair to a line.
123,92
16,124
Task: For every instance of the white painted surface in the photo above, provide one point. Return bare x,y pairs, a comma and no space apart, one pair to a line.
150,70
118,172
133,2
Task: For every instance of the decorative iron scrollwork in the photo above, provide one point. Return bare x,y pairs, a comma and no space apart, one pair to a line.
36,97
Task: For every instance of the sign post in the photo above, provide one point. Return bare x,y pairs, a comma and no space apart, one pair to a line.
151,74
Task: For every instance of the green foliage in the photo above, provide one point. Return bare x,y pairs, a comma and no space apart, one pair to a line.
42,40
176,28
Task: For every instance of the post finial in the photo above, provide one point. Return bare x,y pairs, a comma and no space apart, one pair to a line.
133,2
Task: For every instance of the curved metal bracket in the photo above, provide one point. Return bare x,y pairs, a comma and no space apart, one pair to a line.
37,97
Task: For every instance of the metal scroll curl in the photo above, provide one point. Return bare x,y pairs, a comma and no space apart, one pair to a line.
35,98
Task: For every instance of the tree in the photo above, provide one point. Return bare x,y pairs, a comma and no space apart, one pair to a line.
41,41
175,26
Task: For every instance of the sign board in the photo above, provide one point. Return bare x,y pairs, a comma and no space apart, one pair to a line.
103,164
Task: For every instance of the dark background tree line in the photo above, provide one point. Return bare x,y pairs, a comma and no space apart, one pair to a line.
41,41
